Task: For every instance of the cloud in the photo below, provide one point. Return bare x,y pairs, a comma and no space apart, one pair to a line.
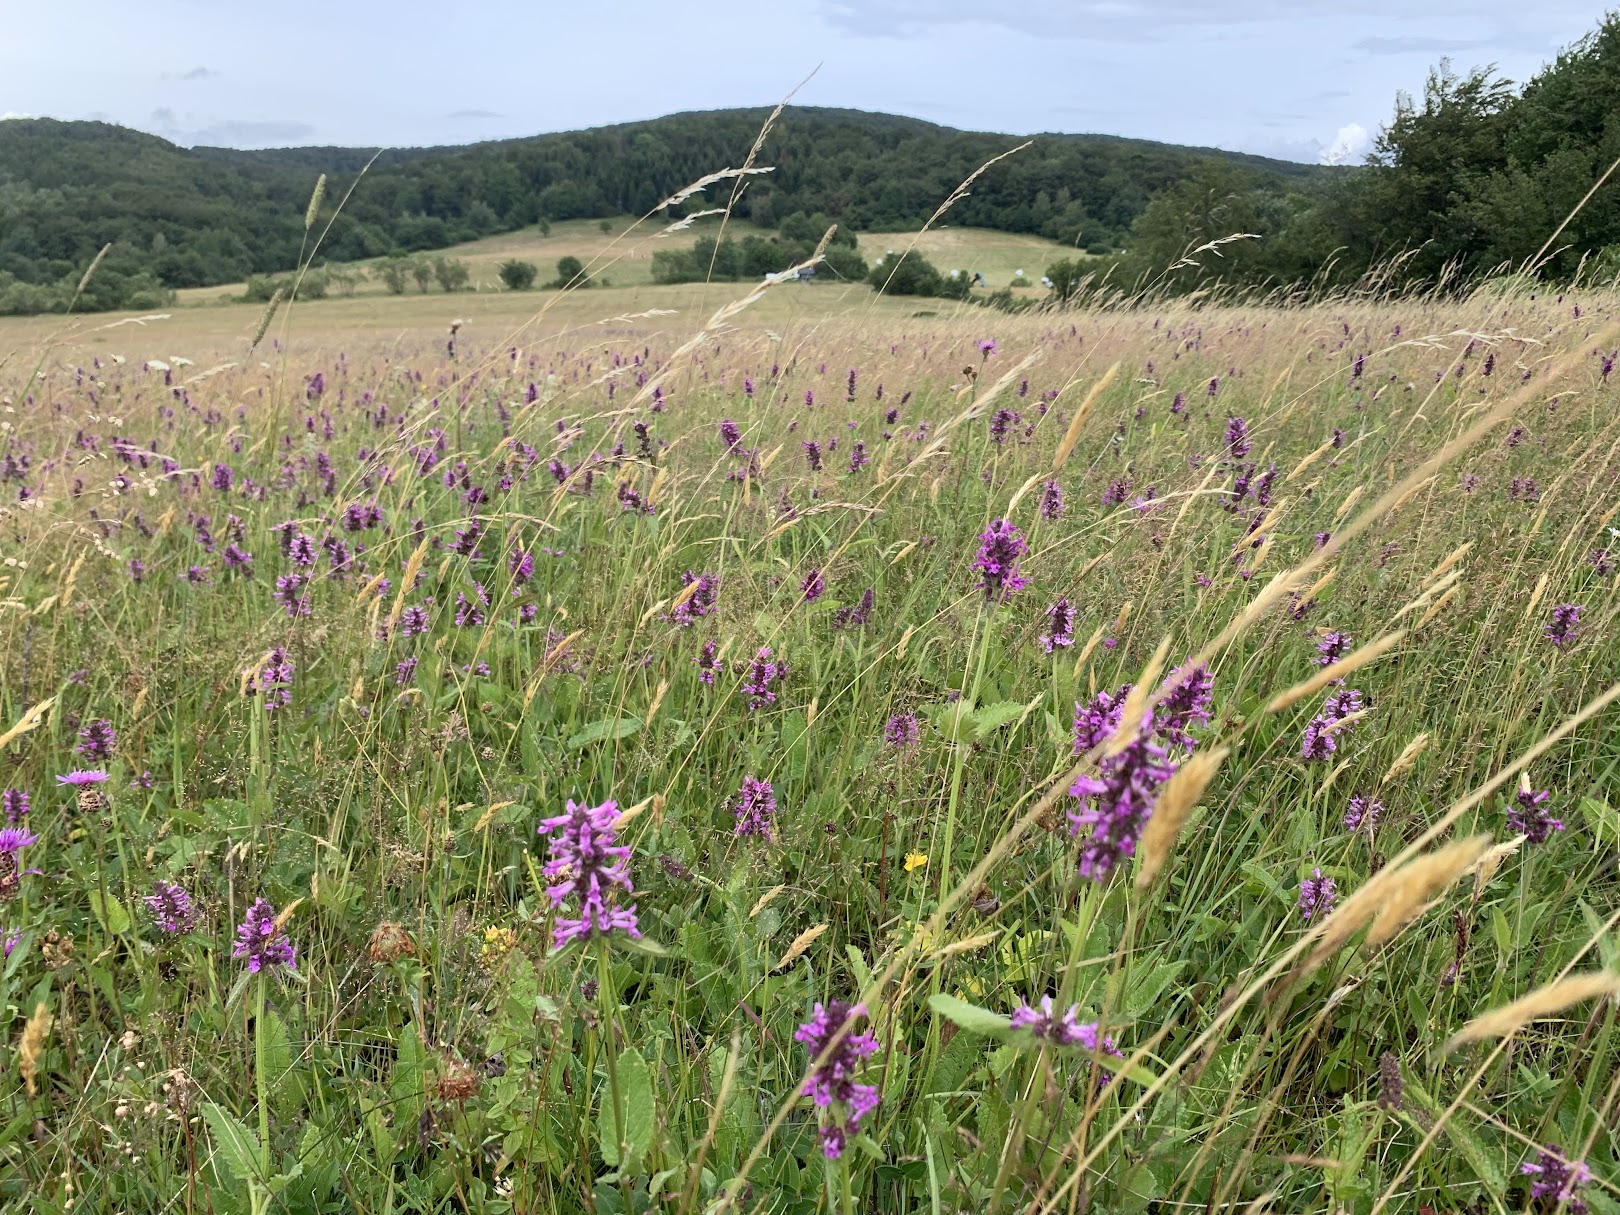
465,114
230,133
196,73
1151,20
1350,144
1417,46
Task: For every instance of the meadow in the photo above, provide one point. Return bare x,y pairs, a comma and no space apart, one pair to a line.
676,751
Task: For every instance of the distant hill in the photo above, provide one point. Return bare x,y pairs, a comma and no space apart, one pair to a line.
180,217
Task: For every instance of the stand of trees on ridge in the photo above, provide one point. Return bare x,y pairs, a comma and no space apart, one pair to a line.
1469,177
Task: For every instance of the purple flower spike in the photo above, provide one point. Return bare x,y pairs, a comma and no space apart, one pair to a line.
1529,817
1059,633
589,866
172,909
1565,626
1317,894
1116,803
832,1082
1000,547
261,943
756,806
1066,1030
1557,1180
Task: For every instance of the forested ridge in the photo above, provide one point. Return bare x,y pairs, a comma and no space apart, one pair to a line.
1469,177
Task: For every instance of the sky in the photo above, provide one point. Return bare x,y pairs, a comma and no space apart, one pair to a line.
1308,81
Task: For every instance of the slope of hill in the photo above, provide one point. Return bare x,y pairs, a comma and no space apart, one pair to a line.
180,217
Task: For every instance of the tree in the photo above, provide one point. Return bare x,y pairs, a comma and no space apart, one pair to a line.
1066,275
452,273
570,272
518,275
422,272
910,274
606,225
394,272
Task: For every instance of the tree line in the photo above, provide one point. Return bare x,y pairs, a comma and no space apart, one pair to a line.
1469,177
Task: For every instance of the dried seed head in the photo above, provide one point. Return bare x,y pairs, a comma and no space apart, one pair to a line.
1389,1081
390,942
1543,1002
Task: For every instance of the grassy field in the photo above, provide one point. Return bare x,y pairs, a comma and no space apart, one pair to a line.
810,757
623,255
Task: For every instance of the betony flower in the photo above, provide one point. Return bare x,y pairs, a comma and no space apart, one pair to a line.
812,586
1052,505
172,909
1059,633
762,673
590,867
1065,1030
707,663
902,731
1237,440
1528,815
1000,547
1183,700
1321,737
1363,811
97,740
700,602
1116,803
1332,648
15,804
1564,627
756,806
832,1081
261,942
1317,894
1557,1179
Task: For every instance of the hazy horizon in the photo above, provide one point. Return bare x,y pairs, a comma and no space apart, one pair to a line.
1269,77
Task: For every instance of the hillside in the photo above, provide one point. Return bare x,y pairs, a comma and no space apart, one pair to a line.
180,217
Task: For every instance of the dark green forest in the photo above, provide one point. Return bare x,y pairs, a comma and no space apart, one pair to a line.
1470,176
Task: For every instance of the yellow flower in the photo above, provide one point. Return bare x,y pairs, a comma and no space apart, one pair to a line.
498,942
915,860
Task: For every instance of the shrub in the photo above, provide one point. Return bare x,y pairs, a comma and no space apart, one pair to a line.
518,275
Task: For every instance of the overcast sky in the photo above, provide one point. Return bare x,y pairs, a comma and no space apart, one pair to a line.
1306,81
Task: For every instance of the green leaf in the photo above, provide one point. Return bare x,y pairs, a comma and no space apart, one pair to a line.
988,720
1146,986
1480,1160
613,728
110,913
640,1115
238,1145
970,1017
1602,818
954,721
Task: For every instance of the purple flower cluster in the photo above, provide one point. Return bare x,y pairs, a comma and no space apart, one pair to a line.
1565,626
1182,701
813,586
97,740
261,942
273,677
1059,633
1528,816
1363,811
1557,1180
1115,804
832,1080
172,909
1052,505
700,602
589,866
1000,547
1321,737
14,803
756,806
762,673
902,731
1065,1030
1332,648
1237,440
707,663
1317,894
